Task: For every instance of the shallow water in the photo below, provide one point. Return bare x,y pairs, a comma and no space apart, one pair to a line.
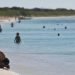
44,51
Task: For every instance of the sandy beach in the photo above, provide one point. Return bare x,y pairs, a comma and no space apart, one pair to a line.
4,20
55,17
7,72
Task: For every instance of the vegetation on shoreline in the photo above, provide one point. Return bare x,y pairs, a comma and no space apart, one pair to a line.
17,11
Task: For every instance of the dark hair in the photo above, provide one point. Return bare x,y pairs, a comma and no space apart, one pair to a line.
17,33
2,56
5,61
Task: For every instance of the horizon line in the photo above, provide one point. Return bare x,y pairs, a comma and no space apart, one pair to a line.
36,7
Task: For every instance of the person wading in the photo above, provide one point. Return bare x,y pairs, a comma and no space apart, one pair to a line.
0,28
17,38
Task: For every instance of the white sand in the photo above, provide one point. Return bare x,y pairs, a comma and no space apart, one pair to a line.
7,19
7,72
55,17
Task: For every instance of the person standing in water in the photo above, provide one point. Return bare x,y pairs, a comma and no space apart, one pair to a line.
43,26
0,28
58,34
12,24
17,38
65,27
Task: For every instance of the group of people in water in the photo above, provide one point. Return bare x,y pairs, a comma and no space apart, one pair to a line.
64,28
58,34
17,38
4,61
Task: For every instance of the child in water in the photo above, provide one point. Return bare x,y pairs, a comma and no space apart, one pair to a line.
17,38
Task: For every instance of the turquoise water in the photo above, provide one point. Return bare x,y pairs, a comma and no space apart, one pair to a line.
41,51
35,39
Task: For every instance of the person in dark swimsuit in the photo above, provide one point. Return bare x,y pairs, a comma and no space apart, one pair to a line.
12,24
0,28
17,38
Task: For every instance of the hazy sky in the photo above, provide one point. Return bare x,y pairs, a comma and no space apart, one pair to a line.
70,4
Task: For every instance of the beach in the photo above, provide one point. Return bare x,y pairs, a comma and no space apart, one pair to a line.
42,51
13,19
7,72
4,20
55,17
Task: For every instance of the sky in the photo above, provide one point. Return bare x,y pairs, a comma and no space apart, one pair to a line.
51,4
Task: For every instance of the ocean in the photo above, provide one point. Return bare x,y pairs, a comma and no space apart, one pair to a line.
41,51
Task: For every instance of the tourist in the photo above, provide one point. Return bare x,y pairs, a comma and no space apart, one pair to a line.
65,27
12,24
0,28
58,34
17,38
4,61
43,26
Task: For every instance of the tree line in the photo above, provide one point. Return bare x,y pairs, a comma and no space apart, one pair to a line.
18,11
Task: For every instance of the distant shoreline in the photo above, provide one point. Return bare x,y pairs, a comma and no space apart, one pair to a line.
6,19
55,17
